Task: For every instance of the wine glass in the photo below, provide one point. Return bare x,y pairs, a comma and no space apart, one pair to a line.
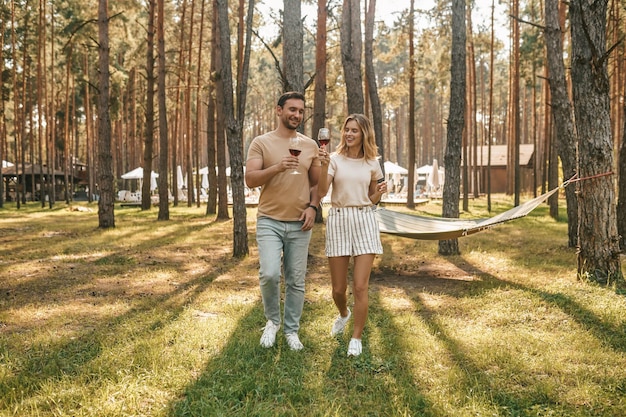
295,147
323,137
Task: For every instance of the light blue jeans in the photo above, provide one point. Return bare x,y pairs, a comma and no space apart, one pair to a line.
276,240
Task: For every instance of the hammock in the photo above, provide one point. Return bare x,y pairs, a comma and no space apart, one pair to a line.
440,228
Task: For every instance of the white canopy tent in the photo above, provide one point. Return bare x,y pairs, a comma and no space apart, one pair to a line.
394,174
392,168
137,174
6,164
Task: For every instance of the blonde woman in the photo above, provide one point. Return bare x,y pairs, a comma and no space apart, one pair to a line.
357,183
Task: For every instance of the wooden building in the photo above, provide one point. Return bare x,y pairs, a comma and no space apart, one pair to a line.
499,162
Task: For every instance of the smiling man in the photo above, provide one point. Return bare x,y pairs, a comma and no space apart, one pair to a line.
286,213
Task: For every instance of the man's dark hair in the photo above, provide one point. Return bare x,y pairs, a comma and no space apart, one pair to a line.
288,96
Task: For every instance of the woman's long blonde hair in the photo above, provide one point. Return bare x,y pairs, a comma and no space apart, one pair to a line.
368,145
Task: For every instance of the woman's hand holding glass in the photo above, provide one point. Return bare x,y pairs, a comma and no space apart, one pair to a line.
323,137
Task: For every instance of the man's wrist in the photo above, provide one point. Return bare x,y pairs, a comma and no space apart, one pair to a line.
313,207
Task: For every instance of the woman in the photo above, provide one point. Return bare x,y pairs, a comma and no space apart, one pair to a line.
357,183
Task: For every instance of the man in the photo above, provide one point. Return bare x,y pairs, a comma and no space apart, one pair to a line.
287,207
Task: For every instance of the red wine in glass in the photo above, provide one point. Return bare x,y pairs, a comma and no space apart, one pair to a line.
323,137
295,148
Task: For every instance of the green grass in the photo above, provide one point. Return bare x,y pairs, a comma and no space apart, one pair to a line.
157,319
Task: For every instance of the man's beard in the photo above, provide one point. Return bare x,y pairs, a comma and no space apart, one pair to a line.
288,124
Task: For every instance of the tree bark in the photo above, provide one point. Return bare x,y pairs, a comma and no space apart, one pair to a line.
456,122
372,84
351,50
319,99
410,198
149,132
106,213
234,123
3,131
164,204
293,39
222,181
561,108
621,203
598,241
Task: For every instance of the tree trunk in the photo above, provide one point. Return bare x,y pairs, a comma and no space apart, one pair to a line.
149,132
187,138
561,108
351,50
211,207
515,103
452,158
410,198
293,39
621,203
234,124
222,181
3,135
106,213
198,130
319,99
598,253
377,112
164,205
52,117
490,122
89,137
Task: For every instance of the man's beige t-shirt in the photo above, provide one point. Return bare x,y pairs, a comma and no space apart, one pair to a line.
285,196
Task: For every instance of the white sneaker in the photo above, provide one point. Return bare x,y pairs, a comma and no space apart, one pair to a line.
269,334
340,324
294,341
354,348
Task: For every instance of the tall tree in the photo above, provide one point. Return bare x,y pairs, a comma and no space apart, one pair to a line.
410,200
598,241
490,119
3,134
164,209
222,180
199,125
351,51
319,98
514,142
370,75
149,130
234,121
561,108
456,121
211,207
621,202
106,213
293,39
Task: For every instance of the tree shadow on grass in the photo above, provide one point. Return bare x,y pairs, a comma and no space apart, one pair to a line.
474,380
246,379
53,278
71,358
377,381
610,334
